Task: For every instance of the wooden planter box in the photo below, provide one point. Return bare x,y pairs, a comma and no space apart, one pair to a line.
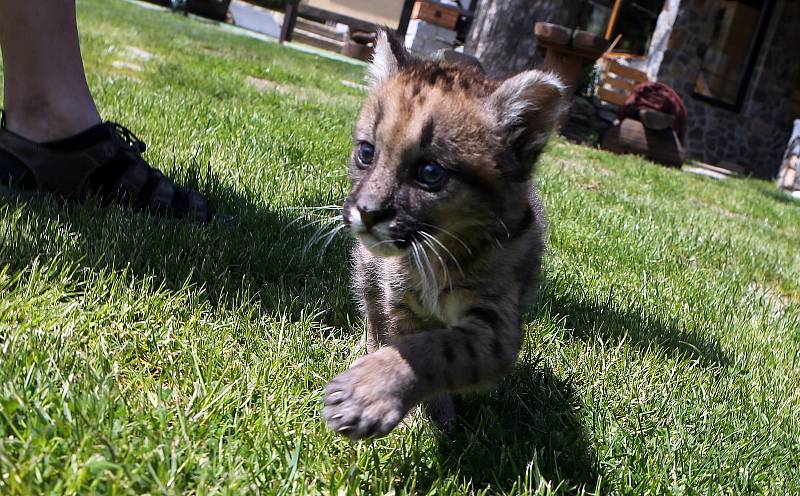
436,13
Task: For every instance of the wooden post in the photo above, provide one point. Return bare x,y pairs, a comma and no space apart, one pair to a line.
289,19
405,17
613,20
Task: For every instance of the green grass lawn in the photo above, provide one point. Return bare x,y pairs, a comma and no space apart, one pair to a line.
140,355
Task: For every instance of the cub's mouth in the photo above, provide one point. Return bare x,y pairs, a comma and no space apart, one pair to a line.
379,238
383,247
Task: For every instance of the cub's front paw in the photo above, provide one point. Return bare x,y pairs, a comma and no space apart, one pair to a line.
367,400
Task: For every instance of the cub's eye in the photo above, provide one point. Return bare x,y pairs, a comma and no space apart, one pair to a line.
365,153
431,175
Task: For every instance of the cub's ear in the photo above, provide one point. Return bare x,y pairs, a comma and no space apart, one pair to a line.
388,57
527,108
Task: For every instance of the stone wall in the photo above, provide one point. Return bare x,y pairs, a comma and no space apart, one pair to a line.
755,136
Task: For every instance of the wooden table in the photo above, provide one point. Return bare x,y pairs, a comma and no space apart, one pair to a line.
568,51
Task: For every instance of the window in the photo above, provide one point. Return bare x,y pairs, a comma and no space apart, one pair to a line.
731,53
595,16
632,21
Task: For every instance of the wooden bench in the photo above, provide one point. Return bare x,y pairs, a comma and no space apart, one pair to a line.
367,22
651,135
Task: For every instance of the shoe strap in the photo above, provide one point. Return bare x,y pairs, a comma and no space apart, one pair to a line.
60,172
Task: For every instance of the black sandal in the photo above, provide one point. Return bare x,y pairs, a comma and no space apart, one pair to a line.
105,161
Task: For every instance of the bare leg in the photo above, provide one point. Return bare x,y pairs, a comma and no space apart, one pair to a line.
46,95
47,99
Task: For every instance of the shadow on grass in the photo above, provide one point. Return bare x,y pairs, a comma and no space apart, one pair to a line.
587,320
524,432
528,428
780,196
262,258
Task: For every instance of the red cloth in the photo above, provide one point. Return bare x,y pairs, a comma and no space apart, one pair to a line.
656,96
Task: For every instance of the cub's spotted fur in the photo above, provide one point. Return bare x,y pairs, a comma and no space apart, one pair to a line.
450,234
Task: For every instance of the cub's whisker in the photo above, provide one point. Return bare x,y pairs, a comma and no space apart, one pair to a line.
431,285
329,228
320,208
329,239
445,272
415,259
504,226
449,253
311,222
448,233
383,242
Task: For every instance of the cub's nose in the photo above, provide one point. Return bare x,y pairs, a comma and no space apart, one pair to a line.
371,216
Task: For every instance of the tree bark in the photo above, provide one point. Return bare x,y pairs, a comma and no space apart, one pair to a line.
502,33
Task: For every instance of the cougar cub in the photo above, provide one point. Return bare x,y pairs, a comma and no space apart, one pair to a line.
450,233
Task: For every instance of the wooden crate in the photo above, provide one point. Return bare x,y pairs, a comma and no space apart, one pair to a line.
617,81
435,13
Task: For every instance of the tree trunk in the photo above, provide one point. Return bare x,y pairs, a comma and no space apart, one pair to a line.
502,33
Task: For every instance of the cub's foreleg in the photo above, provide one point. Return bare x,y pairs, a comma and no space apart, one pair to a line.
371,397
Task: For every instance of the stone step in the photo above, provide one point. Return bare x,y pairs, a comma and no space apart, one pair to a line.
317,40
319,29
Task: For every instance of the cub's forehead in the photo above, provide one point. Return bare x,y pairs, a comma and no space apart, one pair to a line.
409,105
429,83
